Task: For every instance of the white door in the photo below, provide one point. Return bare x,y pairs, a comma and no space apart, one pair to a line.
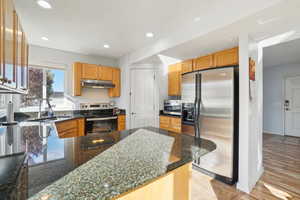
292,106
142,98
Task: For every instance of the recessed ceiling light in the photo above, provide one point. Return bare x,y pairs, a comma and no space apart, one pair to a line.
44,4
149,35
45,38
197,19
106,46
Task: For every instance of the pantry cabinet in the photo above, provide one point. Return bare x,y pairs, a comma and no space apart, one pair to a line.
174,80
14,50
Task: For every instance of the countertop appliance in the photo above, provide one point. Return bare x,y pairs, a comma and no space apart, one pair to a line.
172,107
210,103
100,117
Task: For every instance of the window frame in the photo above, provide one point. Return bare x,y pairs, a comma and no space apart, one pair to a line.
44,83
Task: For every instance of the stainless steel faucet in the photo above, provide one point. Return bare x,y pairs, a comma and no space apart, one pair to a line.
50,111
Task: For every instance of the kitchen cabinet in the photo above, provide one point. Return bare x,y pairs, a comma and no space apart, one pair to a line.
203,62
174,80
121,122
116,76
178,180
170,123
14,50
187,66
96,72
105,73
227,57
71,128
77,74
90,71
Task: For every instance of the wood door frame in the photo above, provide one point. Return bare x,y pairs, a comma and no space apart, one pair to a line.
156,90
283,99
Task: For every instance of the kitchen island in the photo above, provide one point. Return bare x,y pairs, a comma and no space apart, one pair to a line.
107,166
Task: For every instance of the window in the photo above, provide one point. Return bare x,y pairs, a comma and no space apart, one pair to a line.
45,83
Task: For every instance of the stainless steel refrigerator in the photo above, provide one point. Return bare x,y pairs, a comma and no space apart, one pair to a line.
212,98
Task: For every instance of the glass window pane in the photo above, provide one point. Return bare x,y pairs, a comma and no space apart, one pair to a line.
35,91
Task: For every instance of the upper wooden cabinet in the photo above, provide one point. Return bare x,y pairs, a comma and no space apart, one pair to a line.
187,66
204,62
106,73
77,75
14,50
95,72
227,57
116,79
90,71
174,80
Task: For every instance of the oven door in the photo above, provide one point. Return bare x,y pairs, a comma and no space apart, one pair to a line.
101,124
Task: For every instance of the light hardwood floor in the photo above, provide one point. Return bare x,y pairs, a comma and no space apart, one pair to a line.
281,178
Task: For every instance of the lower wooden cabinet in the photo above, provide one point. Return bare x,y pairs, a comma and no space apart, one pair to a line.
121,122
170,123
175,185
71,128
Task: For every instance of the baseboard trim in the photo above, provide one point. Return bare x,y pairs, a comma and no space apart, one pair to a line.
272,132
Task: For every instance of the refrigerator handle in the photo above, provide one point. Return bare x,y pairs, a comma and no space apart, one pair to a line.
197,106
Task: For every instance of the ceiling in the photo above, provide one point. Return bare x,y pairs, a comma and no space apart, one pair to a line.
281,19
85,26
282,54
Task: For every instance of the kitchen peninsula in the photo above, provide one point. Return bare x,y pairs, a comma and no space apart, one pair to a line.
126,164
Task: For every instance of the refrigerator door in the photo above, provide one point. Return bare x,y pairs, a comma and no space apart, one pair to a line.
188,88
216,120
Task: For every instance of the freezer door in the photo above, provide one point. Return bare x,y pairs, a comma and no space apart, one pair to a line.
216,119
188,87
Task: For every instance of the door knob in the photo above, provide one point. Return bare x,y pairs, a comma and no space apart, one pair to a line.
133,113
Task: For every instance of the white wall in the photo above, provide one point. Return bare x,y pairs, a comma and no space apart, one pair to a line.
250,117
42,56
274,77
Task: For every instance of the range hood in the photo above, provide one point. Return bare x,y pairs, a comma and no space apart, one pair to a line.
97,84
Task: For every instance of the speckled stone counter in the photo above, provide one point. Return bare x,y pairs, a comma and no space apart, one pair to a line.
139,156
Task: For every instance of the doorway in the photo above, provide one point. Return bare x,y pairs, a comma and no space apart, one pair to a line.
143,97
292,106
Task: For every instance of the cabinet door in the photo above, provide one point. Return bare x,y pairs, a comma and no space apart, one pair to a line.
187,66
105,73
10,42
164,122
174,80
89,71
121,122
175,124
2,31
115,92
227,57
203,62
77,72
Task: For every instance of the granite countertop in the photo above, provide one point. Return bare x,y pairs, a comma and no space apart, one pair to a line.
144,155
65,168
